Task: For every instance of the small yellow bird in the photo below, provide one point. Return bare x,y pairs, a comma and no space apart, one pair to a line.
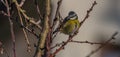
71,24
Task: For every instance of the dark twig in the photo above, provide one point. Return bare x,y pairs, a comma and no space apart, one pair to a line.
54,36
38,10
32,32
106,42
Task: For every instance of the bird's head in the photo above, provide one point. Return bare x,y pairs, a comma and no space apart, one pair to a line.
72,15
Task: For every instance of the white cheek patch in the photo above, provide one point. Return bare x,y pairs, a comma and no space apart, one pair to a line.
73,18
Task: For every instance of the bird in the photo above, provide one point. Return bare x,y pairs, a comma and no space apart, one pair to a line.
70,24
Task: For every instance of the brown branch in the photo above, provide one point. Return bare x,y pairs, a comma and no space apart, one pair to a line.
11,28
106,42
61,47
57,45
86,42
88,12
81,42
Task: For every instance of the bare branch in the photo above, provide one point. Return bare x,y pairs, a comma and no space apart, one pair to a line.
57,13
62,46
86,42
106,42
38,10
45,31
57,45
88,12
32,32
11,28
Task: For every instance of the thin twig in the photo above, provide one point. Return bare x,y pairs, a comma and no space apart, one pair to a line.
86,42
106,42
25,34
54,36
62,46
60,23
11,28
38,10
31,20
81,42
88,12
56,14
57,45
22,3
32,32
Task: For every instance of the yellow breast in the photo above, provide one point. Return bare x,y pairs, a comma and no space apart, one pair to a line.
69,26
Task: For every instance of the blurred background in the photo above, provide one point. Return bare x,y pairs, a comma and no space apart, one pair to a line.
104,20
